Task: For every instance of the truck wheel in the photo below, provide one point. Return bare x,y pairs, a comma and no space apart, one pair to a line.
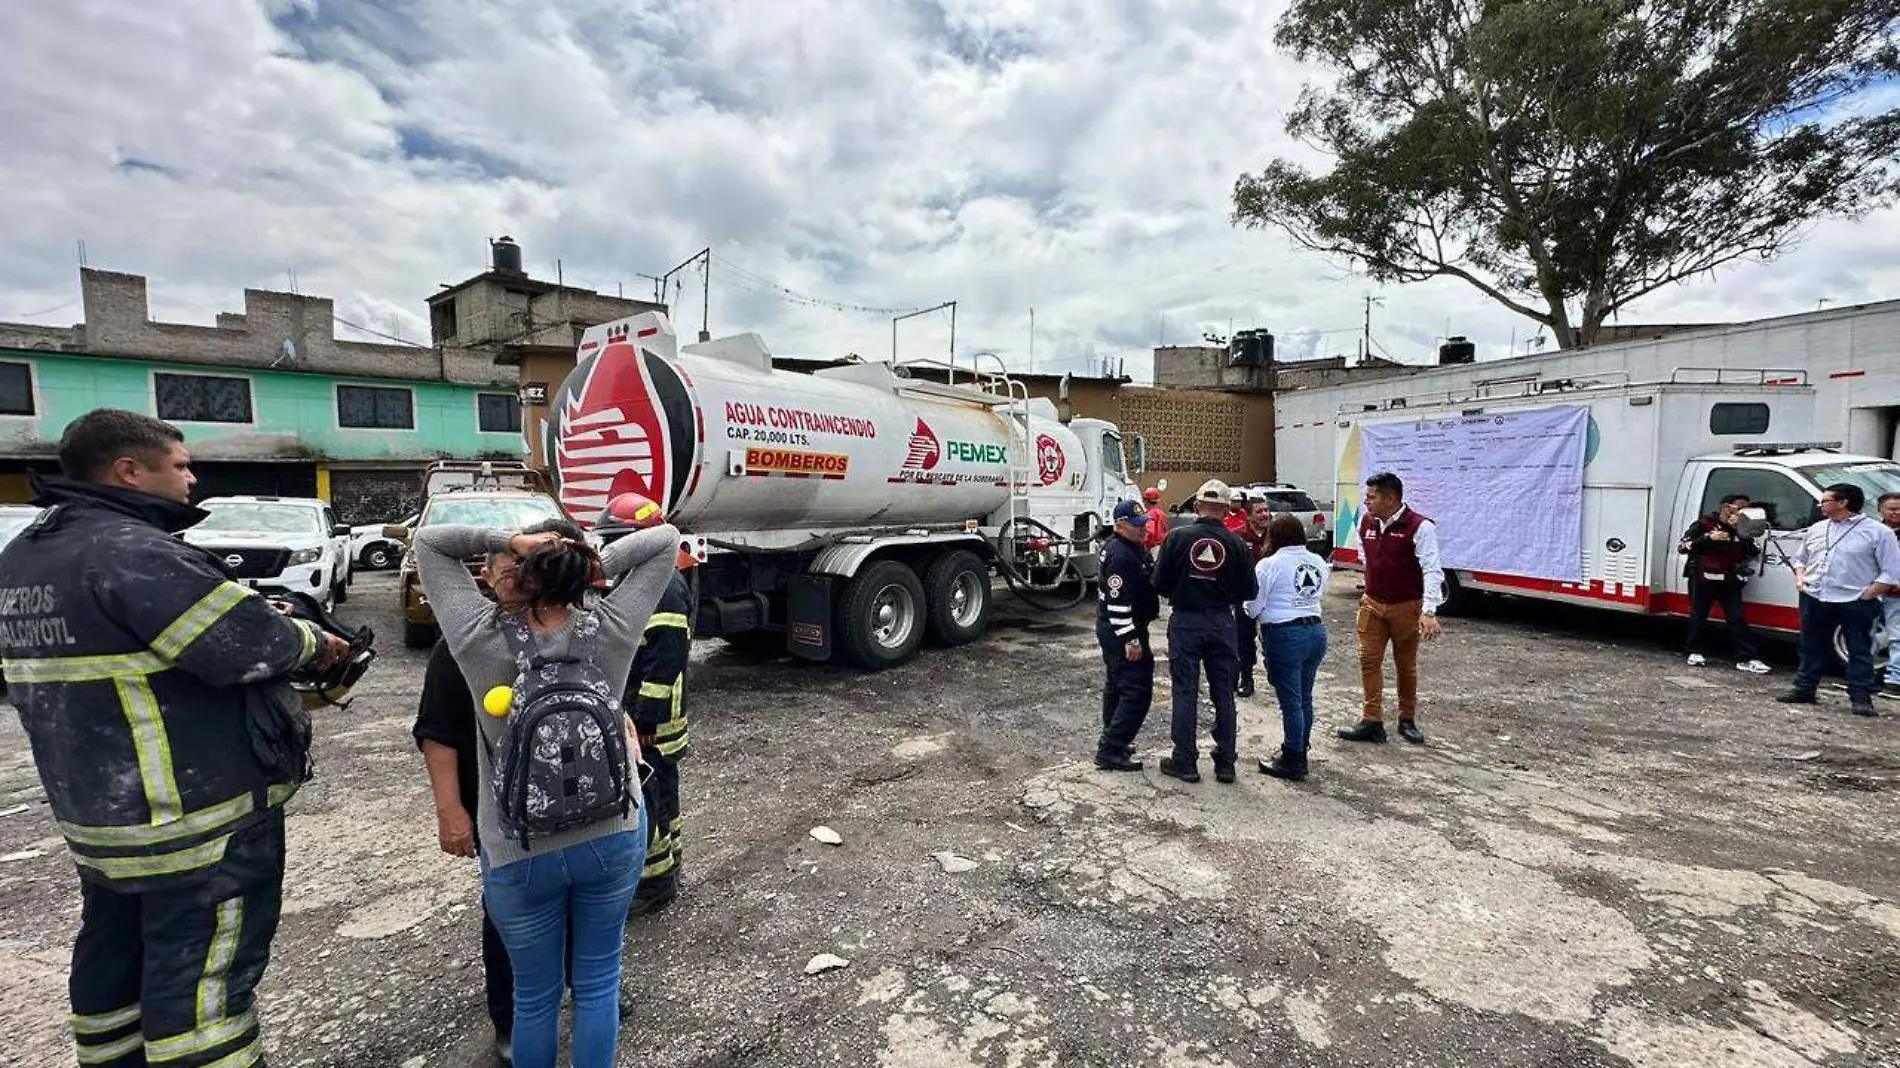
378,558
418,635
1882,639
881,616
958,587
1458,600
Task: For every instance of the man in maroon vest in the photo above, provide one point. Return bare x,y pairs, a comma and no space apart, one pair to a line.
1405,584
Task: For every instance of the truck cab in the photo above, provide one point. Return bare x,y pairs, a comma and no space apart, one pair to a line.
1785,481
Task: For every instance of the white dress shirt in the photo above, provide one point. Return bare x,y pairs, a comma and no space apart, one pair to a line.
1292,581
1425,544
1840,558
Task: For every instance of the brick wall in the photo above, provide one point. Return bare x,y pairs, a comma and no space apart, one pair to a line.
288,331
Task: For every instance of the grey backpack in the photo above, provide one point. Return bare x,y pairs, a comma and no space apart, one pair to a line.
563,760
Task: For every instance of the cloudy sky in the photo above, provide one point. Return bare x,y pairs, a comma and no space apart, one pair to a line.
1074,156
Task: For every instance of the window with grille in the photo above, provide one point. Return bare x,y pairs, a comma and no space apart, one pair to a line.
201,398
375,408
498,413
16,388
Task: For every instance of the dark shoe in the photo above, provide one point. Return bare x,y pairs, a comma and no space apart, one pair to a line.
1367,730
1409,731
648,902
1116,762
1187,774
626,1007
1288,766
504,1050
1797,697
1863,706
1890,690
1245,689
1223,772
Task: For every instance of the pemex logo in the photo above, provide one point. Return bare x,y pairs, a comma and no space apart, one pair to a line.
924,449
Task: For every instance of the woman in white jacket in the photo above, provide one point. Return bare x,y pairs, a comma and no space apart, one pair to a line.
1292,636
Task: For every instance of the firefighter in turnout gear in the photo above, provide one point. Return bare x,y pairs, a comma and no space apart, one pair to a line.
656,692
1128,603
151,689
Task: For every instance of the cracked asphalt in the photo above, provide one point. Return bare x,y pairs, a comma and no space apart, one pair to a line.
1601,858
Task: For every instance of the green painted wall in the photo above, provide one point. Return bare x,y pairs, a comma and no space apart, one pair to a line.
294,414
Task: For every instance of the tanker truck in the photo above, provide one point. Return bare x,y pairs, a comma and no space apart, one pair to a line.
852,512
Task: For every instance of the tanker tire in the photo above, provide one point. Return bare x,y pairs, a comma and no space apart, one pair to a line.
881,617
958,587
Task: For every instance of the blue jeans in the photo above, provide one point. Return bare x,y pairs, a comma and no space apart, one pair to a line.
1293,657
533,902
1818,622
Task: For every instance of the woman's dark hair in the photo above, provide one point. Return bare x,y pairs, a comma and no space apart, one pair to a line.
557,573
1285,530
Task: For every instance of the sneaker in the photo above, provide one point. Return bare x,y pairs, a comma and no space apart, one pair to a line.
1697,660
1797,697
1223,772
1753,667
1889,690
1863,706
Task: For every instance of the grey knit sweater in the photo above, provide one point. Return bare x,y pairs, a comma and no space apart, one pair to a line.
467,619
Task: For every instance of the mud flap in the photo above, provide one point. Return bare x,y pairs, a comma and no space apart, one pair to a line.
808,617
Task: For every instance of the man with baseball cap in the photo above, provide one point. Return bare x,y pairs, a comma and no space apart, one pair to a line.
1157,519
1205,571
1126,605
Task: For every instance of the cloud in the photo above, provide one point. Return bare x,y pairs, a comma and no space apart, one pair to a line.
1074,156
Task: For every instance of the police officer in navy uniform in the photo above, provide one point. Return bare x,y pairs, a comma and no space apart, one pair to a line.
1128,603
1206,572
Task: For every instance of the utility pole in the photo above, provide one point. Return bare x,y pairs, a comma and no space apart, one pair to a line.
1365,344
704,258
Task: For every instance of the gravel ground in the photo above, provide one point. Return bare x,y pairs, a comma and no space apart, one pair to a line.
1601,858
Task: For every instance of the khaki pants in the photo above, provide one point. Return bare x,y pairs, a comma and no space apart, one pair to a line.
1397,624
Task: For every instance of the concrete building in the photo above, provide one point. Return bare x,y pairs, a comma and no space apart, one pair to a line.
529,326
269,399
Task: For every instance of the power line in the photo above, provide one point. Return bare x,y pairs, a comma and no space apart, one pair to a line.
380,334
774,289
48,311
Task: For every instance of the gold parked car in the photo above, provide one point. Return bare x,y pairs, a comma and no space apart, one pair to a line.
477,505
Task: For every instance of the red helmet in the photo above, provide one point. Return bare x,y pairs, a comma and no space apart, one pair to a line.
629,511
1151,494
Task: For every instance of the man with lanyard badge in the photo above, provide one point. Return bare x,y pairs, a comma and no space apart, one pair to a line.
1845,563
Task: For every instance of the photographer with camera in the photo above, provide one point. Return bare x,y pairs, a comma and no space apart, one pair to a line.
154,691
1720,561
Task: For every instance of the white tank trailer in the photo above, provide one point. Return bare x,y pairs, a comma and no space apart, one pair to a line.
852,511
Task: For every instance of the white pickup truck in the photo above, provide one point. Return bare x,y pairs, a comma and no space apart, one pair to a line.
279,544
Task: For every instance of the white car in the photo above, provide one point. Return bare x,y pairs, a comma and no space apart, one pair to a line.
13,519
288,544
372,550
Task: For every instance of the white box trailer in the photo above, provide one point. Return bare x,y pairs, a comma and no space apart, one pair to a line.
1658,455
1850,354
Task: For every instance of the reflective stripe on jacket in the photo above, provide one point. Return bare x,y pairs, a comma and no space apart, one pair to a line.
657,689
148,684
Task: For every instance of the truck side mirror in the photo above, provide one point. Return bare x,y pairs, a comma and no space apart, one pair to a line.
1141,455
340,530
